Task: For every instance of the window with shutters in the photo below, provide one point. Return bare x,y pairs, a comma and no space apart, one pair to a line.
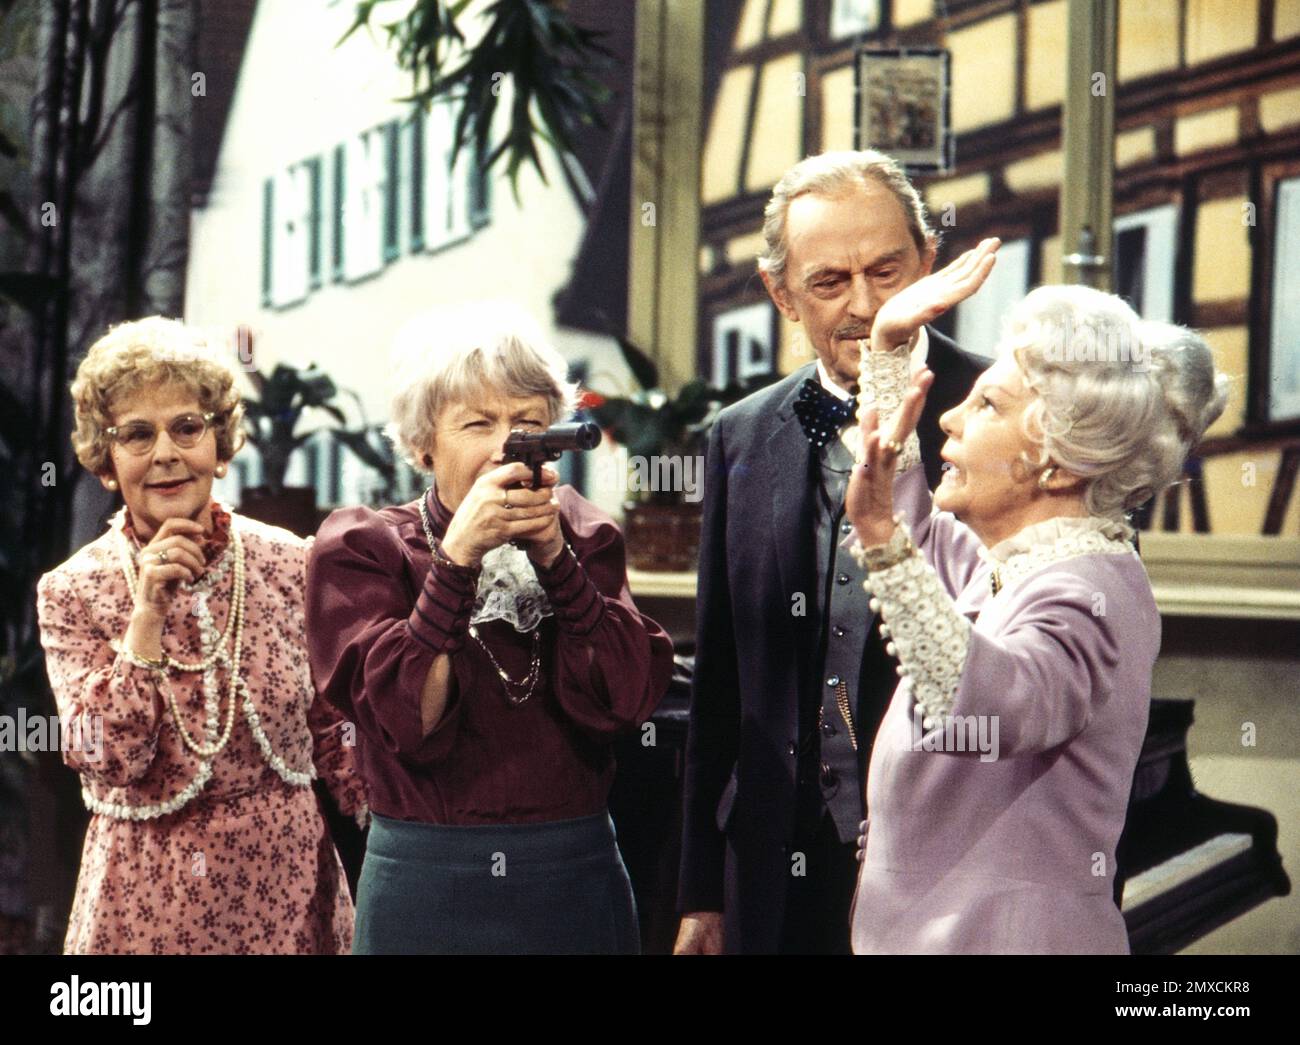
290,236
365,194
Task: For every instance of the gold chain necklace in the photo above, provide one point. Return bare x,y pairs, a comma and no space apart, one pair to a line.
529,682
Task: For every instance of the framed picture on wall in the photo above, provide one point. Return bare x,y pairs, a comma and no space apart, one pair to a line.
902,106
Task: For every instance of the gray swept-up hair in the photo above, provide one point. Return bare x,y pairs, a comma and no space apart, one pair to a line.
463,354
832,174
1120,401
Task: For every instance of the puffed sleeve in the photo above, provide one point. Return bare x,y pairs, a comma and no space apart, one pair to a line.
334,754
370,649
110,709
334,751
612,665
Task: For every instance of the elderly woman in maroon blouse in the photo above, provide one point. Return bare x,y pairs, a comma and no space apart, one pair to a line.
484,641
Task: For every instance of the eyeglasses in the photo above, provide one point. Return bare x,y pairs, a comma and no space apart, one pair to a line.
139,437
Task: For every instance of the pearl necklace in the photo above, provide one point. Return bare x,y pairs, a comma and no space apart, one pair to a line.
234,623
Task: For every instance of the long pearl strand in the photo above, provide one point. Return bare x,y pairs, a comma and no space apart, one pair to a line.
234,623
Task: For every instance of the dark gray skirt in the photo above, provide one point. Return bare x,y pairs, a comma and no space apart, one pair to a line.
553,888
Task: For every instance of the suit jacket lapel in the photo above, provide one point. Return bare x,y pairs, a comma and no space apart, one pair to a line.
789,457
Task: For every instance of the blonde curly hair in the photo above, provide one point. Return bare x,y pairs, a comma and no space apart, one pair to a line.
150,354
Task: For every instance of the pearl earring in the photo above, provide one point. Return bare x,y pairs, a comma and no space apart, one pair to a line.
111,484
1044,476
220,471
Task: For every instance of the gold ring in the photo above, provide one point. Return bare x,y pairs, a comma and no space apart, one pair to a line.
505,501
161,556
895,446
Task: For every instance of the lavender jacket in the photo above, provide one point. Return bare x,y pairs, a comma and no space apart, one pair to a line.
968,853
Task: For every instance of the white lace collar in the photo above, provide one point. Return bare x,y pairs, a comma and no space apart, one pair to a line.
1053,540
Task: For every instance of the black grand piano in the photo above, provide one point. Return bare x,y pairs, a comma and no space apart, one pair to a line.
1187,863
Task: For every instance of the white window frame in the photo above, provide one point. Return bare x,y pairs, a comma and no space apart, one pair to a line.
446,190
753,322
980,318
1159,259
291,236
853,18
1284,319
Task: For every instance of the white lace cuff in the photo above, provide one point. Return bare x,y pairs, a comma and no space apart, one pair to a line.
925,632
883,379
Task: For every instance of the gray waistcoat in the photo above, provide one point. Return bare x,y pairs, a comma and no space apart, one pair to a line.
846,622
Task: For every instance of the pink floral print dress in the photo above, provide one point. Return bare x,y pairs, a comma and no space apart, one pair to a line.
186,854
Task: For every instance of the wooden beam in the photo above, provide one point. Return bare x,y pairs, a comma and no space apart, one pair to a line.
663,263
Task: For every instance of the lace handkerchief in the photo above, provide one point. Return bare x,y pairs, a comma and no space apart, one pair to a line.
508,590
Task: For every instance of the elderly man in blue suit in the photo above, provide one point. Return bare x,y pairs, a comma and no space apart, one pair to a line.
791,676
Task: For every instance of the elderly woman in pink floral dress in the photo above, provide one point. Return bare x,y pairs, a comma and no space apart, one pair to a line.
175,649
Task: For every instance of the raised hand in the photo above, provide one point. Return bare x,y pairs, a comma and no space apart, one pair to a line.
869,499
483,521
172,556
931,296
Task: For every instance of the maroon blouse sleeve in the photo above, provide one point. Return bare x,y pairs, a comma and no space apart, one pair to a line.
612,665
370,651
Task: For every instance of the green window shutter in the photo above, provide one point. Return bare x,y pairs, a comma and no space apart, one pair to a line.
315,229
480,192
417,180
340,187
268,233
334,493
391,190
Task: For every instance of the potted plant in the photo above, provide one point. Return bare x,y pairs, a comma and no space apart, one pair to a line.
271,422
663,437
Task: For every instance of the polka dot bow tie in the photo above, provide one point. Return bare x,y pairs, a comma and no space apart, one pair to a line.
822,414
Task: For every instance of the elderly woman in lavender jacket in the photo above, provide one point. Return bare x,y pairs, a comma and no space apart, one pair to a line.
1021,617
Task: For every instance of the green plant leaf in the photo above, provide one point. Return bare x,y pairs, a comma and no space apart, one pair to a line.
642,366
357,442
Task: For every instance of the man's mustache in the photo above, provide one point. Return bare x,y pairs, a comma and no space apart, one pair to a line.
853,332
